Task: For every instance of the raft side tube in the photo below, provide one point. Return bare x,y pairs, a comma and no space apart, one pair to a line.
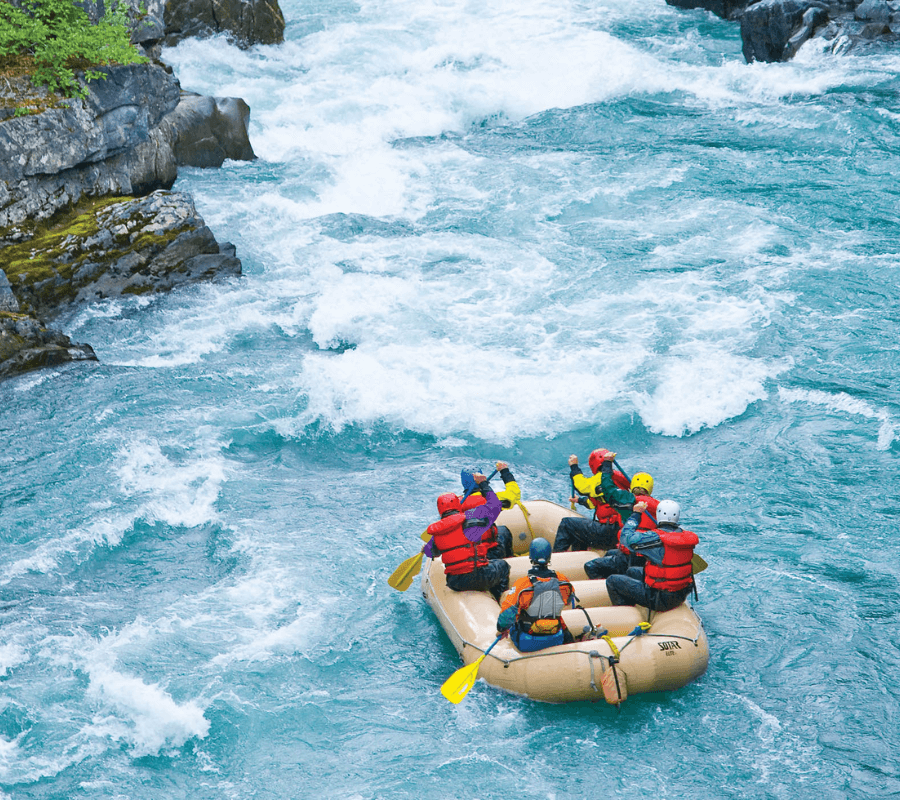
544,517
571,564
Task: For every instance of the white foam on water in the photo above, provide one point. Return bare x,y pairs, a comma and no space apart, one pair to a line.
154,487
425,345
19,767
33,380
843,403
283,640
11,655
701,389
402,69
141,714
180,494
328,109
9,756
198,326
105,531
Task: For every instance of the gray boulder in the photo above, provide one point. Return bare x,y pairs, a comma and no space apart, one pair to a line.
26,344
8,300
117,114
873,11
204,131
246,22
126,138
773,30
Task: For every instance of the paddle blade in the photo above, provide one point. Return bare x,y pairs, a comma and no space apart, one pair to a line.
698,564
457,686
402,577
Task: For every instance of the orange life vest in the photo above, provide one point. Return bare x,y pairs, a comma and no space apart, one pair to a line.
676,571
540,601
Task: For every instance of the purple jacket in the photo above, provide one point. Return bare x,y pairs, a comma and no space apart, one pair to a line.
478,520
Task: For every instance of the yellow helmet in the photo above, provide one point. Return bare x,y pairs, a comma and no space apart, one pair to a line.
642,480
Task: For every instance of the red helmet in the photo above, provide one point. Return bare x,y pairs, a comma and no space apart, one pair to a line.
447,502
596,459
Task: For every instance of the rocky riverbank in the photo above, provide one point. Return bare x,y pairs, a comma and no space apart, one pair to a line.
774,30
85,207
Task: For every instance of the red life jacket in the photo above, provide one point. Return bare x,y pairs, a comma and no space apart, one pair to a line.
472,501
648,518
604,513
676,571
460,556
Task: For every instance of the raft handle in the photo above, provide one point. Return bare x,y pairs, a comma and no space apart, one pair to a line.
591,656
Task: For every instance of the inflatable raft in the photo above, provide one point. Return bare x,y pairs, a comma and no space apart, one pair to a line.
667,652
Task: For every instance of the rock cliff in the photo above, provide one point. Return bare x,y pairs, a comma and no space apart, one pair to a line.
85,211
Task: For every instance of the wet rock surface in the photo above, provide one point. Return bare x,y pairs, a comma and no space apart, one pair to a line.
157,22
245,22
67,236
99,145
112,248
26,344
205,131
774,30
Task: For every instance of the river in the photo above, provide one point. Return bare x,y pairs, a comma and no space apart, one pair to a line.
475,231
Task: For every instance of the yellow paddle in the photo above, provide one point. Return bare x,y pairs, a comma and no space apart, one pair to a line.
402,577
457,686
698,564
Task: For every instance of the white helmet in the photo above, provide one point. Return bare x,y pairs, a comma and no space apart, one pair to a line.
668,511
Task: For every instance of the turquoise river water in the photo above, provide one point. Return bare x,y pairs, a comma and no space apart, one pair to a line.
475,231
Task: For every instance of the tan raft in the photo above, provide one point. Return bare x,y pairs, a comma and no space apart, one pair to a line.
671,653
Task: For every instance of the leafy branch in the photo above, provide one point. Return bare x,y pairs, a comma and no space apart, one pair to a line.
60,38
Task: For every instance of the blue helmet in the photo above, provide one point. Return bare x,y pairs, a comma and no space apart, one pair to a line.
540,551
467,479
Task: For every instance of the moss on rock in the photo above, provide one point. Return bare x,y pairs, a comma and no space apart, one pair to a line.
109,247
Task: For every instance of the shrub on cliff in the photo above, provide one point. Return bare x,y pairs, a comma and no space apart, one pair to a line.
59,37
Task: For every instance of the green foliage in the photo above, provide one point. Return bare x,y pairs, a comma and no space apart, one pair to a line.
60,37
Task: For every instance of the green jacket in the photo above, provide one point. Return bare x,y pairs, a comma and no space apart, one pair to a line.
600,489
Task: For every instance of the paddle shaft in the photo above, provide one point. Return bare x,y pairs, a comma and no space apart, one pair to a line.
477,662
